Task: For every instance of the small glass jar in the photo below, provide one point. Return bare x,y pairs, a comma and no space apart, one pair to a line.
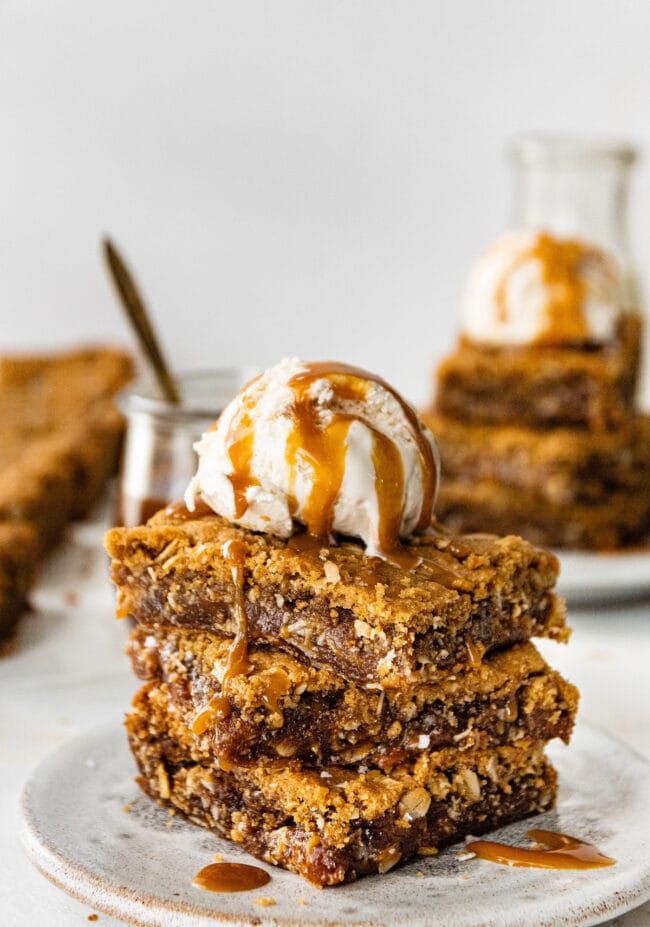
578,187
158,458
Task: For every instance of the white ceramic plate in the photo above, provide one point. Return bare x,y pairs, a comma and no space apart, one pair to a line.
590,578
138,865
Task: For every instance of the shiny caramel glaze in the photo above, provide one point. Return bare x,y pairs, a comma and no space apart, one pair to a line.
475,651
562,262
434,567
179,512
451,544
230,877
323,448
218,708
559,851
305,541
235,553
276,685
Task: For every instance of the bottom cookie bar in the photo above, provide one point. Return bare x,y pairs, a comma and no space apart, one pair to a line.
17,565
623,519
335,824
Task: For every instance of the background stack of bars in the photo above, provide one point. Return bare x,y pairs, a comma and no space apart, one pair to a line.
60,435
545,442
383,712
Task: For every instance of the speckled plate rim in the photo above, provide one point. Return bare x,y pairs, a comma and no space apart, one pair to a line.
133,905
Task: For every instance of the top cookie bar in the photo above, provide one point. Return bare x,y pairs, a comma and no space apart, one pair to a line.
543,386
377,625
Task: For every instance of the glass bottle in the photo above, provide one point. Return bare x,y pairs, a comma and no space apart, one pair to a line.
578,187
158,458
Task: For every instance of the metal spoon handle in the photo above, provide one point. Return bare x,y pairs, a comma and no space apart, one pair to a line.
134,307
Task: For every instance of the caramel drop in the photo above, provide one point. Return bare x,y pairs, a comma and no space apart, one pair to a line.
560,852
230,877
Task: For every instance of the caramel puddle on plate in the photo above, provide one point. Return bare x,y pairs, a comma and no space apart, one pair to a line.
559,851
230,877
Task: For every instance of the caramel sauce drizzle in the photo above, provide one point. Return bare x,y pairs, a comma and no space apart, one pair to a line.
179,512
230,877
323,449
475,651
561,262
371,573
452,545
351,383
436,569
240,451
559,852
511,709
217,709
276,685
235,553
237,662
304,541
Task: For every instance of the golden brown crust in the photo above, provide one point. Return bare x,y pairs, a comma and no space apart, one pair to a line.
540,386
59,440
560,466
18,556
285,708
622,519
336,823
376,624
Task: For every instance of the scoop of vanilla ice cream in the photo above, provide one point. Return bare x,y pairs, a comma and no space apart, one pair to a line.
253,451
523,276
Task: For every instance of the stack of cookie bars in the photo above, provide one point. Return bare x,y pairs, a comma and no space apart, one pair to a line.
545,441
374,713
60,437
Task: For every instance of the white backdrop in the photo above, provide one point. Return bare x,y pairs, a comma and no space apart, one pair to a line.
287,176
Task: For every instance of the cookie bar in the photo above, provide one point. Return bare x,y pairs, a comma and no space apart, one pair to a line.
284,708
621,520
559,466
375,624
18,551
542,386
59,442
336,823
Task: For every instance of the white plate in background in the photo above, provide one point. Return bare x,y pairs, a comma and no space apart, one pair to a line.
588,578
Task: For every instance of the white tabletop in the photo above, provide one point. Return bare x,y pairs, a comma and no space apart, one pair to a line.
65,673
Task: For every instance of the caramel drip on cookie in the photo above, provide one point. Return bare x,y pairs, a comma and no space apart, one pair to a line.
561,263
179,512
237,662
217,709
434,567
276,685
475,651
559,851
